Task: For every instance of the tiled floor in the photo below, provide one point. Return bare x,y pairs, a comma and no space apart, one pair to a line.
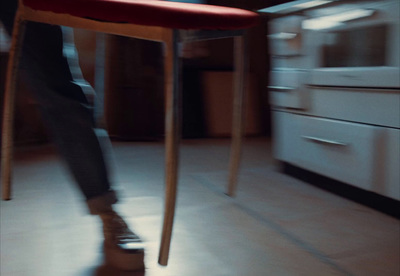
276,225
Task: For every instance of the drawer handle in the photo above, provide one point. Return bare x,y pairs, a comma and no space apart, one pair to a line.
324,141
283,36
281,88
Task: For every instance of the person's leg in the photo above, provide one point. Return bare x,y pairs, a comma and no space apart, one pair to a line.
65,108
67,112
7,14
69,116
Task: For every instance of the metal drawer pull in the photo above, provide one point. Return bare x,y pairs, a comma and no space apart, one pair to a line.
324,141
281,88
283,36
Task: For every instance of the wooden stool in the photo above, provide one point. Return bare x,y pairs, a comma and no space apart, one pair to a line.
166,22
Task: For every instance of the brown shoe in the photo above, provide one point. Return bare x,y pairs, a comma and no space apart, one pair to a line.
123,249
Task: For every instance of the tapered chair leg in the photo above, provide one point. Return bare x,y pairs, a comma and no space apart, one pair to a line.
239,98
172,126
9,106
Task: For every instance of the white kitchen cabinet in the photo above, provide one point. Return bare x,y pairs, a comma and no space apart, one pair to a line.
338,118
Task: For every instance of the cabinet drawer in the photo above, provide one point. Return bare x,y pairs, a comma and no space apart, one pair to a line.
285,36
369,106
287,89
289,62
388,164
340,150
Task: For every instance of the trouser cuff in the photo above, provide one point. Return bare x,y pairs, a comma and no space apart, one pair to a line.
102,204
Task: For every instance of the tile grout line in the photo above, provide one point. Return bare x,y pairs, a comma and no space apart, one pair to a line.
271,224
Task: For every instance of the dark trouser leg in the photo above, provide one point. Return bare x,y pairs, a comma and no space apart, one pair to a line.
65,108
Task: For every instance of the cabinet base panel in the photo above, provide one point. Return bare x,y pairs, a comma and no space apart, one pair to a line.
378,202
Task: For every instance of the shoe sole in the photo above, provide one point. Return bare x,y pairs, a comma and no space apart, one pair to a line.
129,260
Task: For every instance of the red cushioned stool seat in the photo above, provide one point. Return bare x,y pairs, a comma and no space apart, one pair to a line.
152,13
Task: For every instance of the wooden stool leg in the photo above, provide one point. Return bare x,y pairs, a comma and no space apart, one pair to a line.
9,104
240,87
172,125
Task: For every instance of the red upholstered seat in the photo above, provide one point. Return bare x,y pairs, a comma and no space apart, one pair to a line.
152,13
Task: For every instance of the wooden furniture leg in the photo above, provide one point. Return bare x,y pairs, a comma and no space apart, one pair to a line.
172,125
9,106
239,99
